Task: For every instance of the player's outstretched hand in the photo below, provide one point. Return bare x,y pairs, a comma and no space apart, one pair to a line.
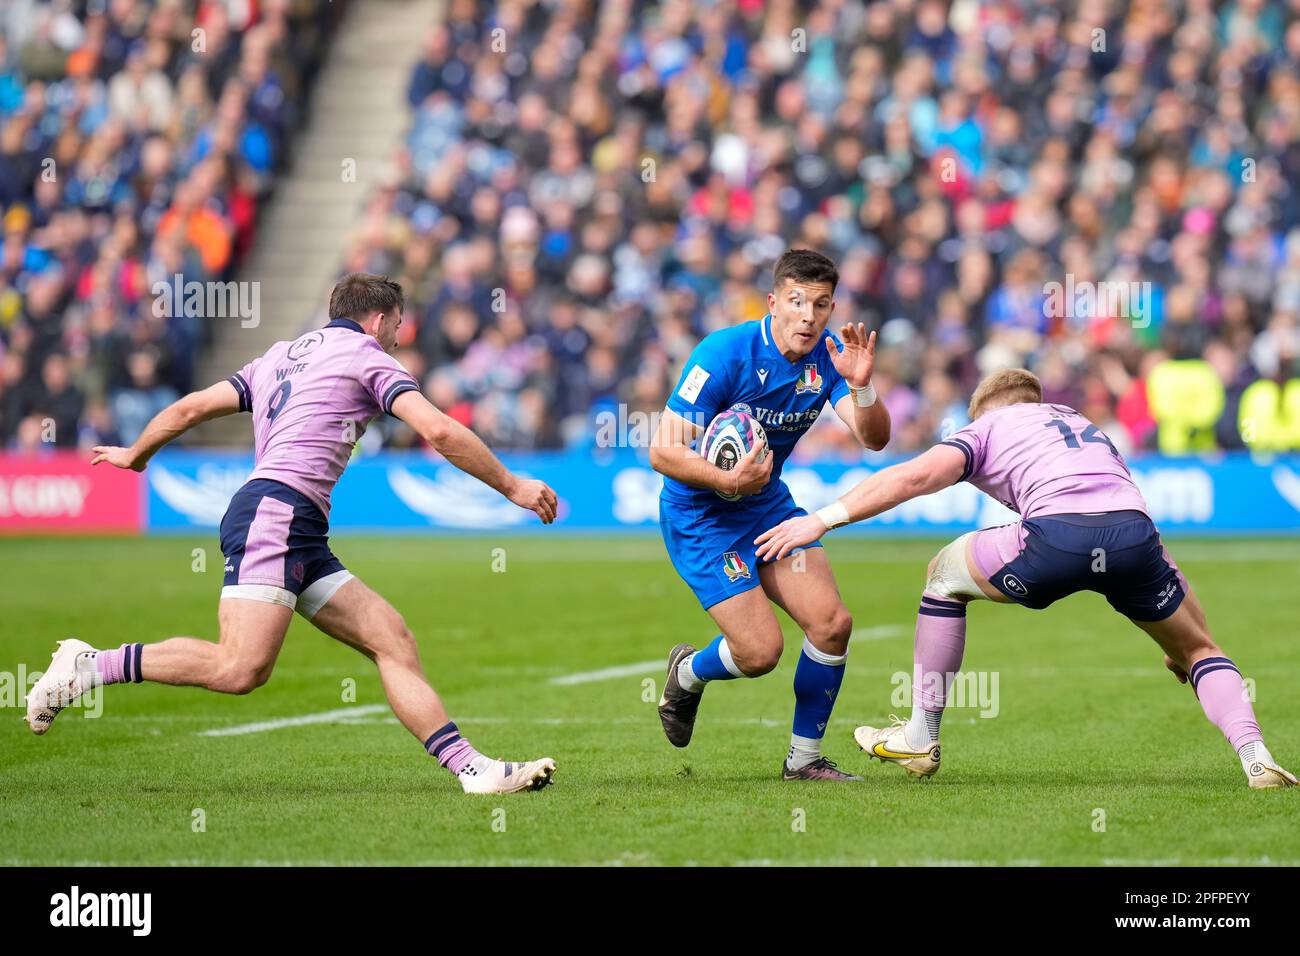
117,457
775,543
856,361
535,496
1176,670
750,476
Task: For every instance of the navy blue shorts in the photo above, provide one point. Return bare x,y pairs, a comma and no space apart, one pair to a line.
276,544
1118,554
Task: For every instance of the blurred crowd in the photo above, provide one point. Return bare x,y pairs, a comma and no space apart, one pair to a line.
589,188
138,139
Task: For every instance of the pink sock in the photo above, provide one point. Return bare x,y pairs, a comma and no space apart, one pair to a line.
940,643
450,749
120,665
1222,694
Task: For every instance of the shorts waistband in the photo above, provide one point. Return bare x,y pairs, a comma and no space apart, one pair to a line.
269,487
1102,520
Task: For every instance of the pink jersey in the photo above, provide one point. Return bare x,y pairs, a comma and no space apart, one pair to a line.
312,399
1045,460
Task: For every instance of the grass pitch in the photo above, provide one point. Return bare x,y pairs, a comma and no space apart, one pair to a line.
1095,755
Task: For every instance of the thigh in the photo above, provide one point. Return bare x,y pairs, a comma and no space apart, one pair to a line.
360,618
252,630
1184,635
803,584
987,551
749,623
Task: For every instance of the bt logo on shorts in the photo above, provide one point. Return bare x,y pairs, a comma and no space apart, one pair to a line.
1014,585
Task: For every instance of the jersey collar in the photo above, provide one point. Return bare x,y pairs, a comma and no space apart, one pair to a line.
344,324
765,328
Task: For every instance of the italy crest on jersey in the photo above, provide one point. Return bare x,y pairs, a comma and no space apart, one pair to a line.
809,381
735,566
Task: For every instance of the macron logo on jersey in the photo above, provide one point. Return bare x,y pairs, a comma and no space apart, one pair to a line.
690,389
762,375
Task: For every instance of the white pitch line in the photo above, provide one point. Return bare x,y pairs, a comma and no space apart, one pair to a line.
606,673
646,667
340,716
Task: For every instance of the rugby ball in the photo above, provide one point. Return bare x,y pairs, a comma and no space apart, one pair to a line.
729,438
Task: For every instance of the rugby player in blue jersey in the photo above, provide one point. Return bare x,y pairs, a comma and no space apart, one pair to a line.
781,369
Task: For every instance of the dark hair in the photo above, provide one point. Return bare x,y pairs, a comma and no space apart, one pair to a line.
358,294
804,265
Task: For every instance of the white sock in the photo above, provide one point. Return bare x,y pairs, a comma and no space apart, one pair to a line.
923,729
686,676
1253,752
803,751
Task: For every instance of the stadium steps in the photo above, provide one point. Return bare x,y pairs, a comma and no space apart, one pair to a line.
358,112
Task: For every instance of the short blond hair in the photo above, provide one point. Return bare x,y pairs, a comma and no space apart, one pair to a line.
1005,387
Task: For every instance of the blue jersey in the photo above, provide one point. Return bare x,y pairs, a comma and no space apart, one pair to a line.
741,367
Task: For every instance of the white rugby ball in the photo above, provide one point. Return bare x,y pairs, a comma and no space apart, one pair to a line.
729,438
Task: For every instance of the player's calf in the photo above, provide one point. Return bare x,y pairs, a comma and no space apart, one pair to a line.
1185,638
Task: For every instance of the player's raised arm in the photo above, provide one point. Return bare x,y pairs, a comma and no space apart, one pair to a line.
172,422
466,451
671,455
936,469
861,410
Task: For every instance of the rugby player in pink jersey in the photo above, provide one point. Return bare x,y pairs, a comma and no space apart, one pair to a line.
1077,502
311,400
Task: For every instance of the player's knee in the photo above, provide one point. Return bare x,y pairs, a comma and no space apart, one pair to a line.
760,659
948,574
832,634
397,646
242,677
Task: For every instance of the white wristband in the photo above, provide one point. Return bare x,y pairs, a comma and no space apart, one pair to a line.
864,397
834,515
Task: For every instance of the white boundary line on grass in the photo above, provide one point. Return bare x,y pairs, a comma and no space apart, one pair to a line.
608,673
876,633
341,716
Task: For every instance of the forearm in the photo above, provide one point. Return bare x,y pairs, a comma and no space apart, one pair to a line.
688,467
871,425
884,490
466,451
172,422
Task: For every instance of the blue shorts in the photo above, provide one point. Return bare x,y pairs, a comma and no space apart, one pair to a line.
1118,554
713,548
276,544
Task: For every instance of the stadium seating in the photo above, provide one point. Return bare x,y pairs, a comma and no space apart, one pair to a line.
138,141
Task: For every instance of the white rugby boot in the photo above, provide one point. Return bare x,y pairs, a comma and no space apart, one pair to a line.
71,673
485,775
1265,776
889,745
